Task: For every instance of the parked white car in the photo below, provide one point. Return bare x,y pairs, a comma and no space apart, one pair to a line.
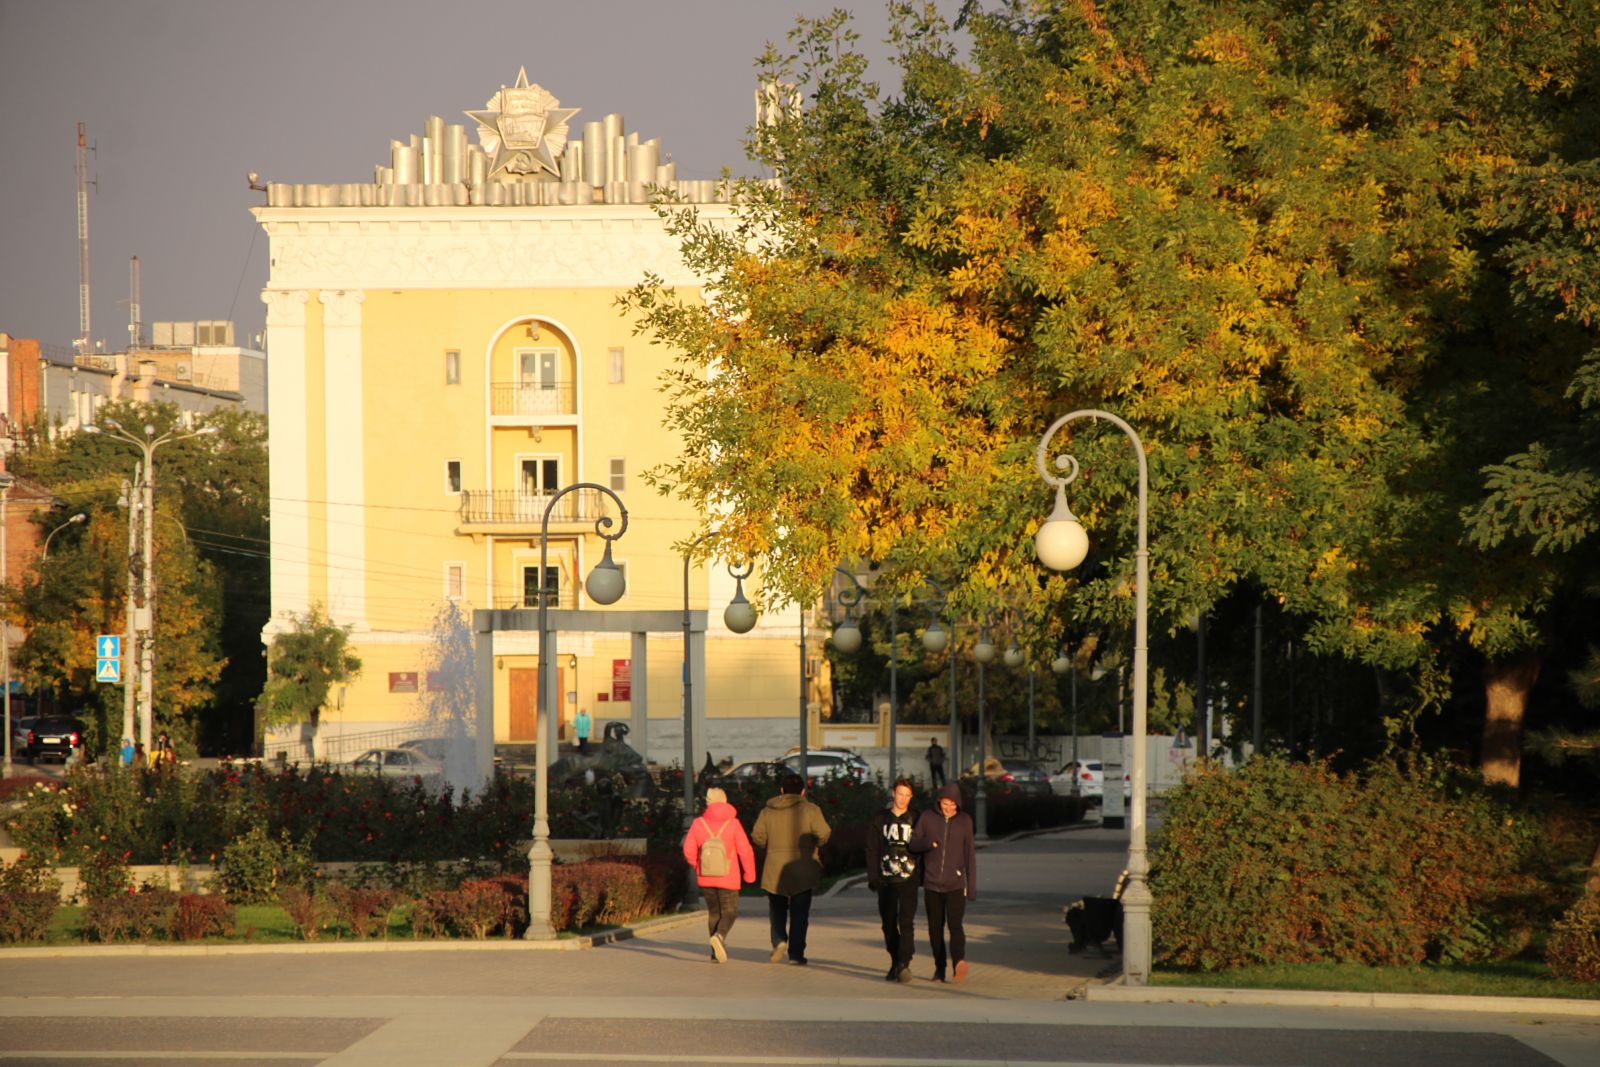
829,762
1083,778
396,763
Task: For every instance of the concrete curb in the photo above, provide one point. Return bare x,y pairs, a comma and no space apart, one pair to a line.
1312,998
315,948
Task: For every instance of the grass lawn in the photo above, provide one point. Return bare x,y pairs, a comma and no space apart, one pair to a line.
1506,978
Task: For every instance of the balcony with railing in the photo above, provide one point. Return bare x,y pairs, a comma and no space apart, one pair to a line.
501,510
532,400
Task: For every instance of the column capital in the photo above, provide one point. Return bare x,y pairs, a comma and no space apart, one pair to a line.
285,307
342,307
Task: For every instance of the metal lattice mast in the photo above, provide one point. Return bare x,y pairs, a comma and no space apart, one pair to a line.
84,344
134,325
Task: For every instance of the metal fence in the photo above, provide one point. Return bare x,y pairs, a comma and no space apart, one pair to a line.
527,509
533,398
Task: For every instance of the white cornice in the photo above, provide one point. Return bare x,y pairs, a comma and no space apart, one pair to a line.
595,246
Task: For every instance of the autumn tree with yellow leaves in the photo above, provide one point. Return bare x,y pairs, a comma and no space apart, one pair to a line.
1257,231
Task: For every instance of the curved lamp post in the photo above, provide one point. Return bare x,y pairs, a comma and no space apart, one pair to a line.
142,628
739,617
1061,544
847,635
984,653
605,585
44,553
934,639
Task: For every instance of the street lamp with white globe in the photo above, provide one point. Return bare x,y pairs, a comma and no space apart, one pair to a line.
605,585
1061,544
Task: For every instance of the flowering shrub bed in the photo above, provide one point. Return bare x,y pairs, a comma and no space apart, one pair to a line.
29,894
158,818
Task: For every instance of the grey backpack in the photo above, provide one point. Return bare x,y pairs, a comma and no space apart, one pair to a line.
713,853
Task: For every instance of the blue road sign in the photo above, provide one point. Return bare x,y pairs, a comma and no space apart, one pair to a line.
108,646
108,670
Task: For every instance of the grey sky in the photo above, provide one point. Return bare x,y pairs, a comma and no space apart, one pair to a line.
183,97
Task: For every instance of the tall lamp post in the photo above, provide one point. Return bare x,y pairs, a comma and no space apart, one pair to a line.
1014,658
144,617
934,639
6,481
847,639
983,652
1065,664
739,617
1062,544
605,585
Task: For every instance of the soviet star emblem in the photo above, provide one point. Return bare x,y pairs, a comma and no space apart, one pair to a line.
523,129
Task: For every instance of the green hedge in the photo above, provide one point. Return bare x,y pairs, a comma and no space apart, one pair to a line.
1282,862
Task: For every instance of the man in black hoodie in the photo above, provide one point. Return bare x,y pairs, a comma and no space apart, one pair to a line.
949,877
894,872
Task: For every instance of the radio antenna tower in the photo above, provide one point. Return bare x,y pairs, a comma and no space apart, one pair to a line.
133,304
84,343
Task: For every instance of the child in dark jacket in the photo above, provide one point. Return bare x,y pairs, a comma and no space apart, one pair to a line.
949,878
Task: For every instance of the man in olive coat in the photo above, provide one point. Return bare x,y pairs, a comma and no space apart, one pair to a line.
793,831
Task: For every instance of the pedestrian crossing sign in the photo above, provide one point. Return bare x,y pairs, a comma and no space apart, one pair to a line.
108,670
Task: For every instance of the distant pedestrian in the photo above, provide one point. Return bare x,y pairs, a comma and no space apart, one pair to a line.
582,726
935,764
793,831
894,872
127,752
719,852
139,758
949,878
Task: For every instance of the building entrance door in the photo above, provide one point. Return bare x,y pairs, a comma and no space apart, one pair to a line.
524,696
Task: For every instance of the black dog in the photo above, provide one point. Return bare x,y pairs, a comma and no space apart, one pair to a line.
1093,921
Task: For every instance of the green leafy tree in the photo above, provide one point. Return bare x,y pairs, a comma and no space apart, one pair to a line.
303,664
81,590
1253,230
214,489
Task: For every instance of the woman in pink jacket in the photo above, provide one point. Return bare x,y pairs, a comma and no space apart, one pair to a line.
717,842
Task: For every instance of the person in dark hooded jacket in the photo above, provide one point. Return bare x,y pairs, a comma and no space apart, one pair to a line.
894,872
949,878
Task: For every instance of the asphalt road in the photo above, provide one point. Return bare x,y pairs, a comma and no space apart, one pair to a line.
658,999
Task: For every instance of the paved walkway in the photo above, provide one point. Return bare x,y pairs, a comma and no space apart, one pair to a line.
641,1000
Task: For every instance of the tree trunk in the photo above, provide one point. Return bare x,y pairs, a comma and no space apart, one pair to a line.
1506,685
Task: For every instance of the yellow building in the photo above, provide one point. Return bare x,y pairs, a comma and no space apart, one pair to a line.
445,352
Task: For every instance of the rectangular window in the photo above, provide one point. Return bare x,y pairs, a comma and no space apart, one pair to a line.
540,477
455,581
615,366
452,367
619,475
452,476
530,586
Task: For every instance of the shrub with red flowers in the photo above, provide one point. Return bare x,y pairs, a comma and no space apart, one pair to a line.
28,898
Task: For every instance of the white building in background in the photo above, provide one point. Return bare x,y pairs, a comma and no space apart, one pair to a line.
197,366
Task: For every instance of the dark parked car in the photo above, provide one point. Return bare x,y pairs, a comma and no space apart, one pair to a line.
53,737
1019,775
